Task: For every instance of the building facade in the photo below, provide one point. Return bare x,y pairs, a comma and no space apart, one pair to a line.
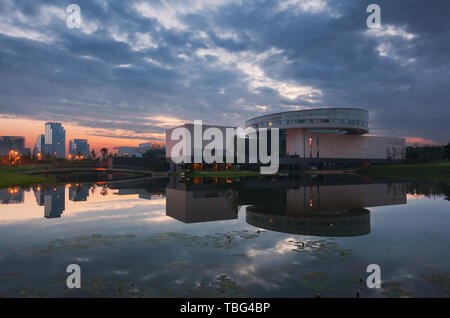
330,133
79,147
151,145
39,147
189,144
138,152
55,140
9,143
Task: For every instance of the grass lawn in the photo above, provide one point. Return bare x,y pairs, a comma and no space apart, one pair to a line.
218,174
13,177
430,171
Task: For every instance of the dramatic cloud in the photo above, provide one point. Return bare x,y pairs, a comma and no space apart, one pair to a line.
136,68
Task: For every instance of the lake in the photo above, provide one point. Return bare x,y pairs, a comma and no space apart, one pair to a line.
249,237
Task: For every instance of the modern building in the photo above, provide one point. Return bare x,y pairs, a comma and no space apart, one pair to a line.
139,151
124,151
331,133
79,147
151,145
9,143
190,143
320,137
55,140
39,147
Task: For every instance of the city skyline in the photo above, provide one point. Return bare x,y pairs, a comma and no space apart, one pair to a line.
32,129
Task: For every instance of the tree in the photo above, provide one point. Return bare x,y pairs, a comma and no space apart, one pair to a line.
93,154
447,151
104,152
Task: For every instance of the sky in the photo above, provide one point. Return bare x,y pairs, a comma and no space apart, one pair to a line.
136,68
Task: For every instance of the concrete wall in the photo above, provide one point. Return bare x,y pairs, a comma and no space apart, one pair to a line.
343,146
190,127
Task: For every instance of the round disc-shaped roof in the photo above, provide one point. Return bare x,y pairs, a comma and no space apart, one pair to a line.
332,120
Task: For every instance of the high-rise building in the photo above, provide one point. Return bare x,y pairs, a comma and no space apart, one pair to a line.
79,147
40,145
55,139
8,143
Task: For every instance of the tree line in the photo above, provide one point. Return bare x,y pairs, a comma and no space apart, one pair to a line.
428,153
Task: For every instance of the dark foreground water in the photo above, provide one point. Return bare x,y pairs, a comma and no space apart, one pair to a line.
224,238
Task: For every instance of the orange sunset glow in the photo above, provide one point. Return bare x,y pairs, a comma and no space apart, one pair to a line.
30,129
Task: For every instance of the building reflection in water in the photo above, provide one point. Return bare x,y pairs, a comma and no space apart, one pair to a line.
78,192
199,203
146,189
142,193
324,209
11,196
52,198
332,211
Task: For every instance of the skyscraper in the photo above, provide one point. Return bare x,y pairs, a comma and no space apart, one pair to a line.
40,145
79,147
55,139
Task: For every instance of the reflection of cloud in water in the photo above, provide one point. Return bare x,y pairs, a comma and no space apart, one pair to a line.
281,247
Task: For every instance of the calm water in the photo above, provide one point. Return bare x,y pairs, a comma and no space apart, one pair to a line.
224,238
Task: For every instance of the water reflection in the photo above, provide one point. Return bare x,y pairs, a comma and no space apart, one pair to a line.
287,206
11,196
52,198
119,237
330,206
330,211
78,192
199,202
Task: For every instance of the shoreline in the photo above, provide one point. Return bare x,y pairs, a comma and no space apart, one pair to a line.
440,172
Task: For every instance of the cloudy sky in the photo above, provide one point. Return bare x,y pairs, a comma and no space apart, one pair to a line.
138,67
